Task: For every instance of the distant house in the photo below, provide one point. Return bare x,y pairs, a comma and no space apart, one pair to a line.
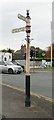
5,56
20,54
48,52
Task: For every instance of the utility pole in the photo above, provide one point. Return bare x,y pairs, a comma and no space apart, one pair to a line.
27,76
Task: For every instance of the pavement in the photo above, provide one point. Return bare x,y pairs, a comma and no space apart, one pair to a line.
13,105
35,69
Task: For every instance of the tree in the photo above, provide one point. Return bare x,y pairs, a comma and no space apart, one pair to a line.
36,52
4,50
8,50
25,56
31,53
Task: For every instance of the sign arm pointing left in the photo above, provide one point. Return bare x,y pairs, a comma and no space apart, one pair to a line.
18,29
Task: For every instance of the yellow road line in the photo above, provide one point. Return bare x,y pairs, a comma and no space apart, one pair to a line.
13,87
23,90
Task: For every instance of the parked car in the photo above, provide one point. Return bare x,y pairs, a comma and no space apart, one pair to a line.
9,67
17,63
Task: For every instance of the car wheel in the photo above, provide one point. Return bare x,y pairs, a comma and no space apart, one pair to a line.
19,72
10,71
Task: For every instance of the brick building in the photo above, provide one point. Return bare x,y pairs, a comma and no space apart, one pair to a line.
48,52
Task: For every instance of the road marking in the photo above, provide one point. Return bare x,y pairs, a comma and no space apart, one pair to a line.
13,87
23,90
39,71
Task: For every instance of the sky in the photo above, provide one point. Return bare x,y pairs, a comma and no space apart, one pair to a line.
41,17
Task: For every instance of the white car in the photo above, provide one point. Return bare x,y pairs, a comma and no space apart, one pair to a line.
9,67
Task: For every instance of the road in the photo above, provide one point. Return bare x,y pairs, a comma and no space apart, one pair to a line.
41,82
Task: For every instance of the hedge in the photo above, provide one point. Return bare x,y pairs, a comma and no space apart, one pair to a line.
40,59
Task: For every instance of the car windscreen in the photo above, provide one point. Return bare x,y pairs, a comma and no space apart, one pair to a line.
9,63
14,63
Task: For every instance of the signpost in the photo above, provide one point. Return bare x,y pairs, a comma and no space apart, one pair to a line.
27,76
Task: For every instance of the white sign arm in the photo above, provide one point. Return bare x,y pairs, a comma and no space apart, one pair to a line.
18,30
22,17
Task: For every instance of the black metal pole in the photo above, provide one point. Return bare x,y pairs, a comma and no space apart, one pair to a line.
27,92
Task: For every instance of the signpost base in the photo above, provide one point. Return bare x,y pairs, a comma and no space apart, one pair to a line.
27,91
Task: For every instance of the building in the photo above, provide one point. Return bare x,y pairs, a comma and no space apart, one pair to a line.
5,56
20,54
48,52
23,49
